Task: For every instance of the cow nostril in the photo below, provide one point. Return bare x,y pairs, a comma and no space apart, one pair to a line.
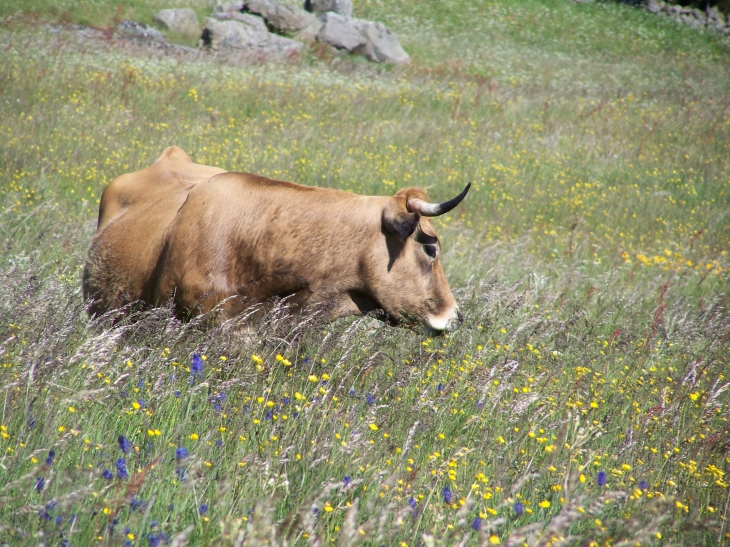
460,317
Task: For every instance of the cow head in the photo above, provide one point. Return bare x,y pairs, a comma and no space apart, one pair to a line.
413,288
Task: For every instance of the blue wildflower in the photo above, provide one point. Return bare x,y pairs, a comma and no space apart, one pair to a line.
346,480
351,393
121,466
140,383
315,511
412,502
643,485
40,483
440,388
141,403
269,415
307,360
177,394
59,520
203,508
601,478
476,524
217,407
519,508
196,366
181,453
124,444
219,443
369,398
153,540
51,455
446,494
108,475
136,503
285,401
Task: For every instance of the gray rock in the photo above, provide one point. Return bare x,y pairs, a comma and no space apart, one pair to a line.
381,45
180,20
338,31
280,18
654,6
235,34
320,7
247,33
140,30
374,40
284,46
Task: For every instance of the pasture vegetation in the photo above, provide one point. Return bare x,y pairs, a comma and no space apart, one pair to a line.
584,401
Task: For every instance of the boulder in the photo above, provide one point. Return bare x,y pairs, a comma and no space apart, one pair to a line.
280,18
140,30
247,33
320,7
374,40
381,45
235,34
339,31
179,20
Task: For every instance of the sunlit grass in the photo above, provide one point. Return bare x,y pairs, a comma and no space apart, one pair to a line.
586,396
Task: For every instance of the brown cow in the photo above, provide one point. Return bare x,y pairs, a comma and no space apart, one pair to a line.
206,238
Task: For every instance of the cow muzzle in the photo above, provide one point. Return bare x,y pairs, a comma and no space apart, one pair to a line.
447,322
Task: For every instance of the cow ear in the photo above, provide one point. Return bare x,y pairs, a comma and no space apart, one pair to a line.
397,220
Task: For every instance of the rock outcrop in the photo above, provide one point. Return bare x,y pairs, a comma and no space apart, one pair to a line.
374,40
179,20
140,30
247,33
320,7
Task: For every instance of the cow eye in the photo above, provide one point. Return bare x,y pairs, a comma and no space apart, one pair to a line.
430,250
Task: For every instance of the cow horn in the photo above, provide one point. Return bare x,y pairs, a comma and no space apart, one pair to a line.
427,209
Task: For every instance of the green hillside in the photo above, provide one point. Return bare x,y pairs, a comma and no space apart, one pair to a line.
584,401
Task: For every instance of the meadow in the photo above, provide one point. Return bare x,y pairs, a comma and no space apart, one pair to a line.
585,400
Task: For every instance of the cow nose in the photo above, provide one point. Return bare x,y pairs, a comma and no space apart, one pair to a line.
459,317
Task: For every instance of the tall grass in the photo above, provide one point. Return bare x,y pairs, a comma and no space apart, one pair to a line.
585,399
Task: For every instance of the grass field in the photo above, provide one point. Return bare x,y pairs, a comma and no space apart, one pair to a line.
584,401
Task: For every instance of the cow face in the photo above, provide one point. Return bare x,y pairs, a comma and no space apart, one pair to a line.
411,286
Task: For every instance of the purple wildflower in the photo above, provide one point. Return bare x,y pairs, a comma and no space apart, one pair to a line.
136,503
601,478
476,524
121,466
519,508
285,401
369,398
153,540
40,483
181,453
108,475
203,508
446,494
59,520
51,455
412,502
124,444
440,388
643,485
219,443
269,415
346,480
196,366
351,393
